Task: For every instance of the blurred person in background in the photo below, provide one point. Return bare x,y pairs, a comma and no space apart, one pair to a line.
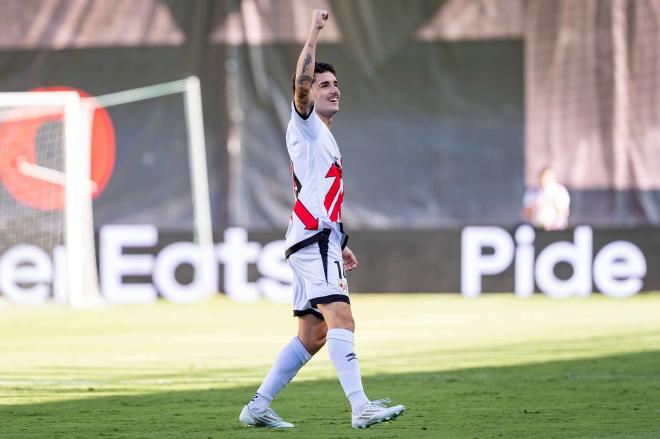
317,251
547,205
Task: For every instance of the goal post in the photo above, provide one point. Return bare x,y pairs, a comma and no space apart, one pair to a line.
190,89
62,218
46,196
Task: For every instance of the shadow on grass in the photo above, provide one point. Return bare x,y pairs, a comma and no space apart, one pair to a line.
616,396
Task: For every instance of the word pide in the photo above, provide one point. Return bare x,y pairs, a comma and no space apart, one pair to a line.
617,270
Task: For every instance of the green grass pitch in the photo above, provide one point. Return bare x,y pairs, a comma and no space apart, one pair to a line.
492,367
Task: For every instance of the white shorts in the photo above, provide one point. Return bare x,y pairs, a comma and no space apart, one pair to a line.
318,275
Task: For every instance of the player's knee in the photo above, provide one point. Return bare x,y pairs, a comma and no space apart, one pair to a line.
311,344
344,321
321,333
318,344
349,324
314,340
338,315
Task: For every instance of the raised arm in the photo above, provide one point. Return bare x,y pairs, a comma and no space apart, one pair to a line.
302,97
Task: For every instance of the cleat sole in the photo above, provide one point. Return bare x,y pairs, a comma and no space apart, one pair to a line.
395,415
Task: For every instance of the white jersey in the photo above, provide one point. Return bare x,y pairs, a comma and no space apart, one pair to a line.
549,206
316,168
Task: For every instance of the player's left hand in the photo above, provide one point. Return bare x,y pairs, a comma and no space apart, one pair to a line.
350,261
319,17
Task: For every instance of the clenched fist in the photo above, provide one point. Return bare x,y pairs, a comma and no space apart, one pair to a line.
319,17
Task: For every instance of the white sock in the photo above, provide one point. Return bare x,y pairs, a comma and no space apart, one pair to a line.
342,354
286,366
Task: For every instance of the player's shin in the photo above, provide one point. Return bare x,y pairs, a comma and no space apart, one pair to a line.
286,366
342,354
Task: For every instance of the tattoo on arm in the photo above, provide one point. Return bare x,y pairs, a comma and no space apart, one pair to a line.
304,78
308,61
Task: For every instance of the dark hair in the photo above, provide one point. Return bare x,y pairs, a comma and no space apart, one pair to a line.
319,67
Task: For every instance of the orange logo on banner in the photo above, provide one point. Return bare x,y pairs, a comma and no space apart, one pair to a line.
18,141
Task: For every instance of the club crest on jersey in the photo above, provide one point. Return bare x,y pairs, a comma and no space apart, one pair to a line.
337,164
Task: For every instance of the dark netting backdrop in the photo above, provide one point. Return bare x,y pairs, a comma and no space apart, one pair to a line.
448,108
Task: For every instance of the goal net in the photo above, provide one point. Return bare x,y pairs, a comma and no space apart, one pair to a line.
51,168
45,205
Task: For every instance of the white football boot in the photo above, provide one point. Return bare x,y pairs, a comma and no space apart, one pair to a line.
377,411
267,418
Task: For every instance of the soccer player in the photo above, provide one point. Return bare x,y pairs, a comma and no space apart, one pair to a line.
316,249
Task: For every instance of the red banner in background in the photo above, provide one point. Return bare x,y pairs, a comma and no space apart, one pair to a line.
20,142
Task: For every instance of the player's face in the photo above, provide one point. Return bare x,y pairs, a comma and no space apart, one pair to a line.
326,94
547,178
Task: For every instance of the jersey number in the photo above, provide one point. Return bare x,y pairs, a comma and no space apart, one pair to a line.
339,269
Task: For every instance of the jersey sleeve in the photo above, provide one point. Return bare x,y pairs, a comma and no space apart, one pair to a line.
309,127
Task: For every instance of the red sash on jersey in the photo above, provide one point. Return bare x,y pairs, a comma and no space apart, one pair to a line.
304,214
